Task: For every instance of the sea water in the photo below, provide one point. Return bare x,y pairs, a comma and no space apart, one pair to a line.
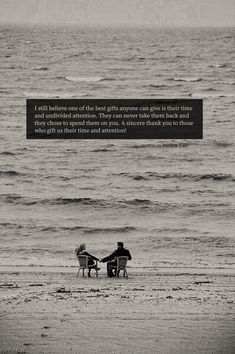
171,202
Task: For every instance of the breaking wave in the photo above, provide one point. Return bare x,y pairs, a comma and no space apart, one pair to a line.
187,79
180,176
85,79
53,95
225,82
211,95
40,68
223,65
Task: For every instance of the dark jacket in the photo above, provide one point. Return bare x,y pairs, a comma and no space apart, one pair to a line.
91,258
118,253
89,255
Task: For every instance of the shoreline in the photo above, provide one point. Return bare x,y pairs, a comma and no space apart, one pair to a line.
220,271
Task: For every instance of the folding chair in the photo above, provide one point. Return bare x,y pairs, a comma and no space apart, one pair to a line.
121,265
83,264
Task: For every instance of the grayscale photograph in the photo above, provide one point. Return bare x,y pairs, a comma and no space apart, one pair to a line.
114,246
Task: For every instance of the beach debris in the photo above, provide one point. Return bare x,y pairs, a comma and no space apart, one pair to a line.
178,288
46,327
9,286
199,282
169,297
36,284
94,290
43,335
62,290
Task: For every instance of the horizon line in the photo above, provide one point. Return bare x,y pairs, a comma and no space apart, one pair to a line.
112,24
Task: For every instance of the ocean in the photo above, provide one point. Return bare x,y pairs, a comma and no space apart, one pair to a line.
171,204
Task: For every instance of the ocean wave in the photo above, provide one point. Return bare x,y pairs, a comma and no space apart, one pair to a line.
142,205
76,55
184,176
84,229
138,201
122,68
142,146
141,58
102,150
83,201
225,82
41,228
222,65
139,178
40,68
131,58
5,91
7,153
11,198
198,177
90,202
63,228
187,79
210,95
85,79
203,191
155,85
209,89
10,173
53,95
14,67
157,206
182,56
110,229
171,230
11,225
18,199
222,143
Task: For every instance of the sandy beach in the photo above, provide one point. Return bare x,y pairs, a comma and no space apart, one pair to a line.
154,311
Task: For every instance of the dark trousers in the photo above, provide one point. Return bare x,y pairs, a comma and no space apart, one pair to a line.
110,270
91,265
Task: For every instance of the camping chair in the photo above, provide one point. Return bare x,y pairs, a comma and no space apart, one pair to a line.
121,265
83,264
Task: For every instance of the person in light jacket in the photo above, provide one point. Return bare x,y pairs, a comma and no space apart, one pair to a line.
92,260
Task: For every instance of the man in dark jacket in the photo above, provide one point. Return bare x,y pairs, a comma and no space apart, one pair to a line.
111,259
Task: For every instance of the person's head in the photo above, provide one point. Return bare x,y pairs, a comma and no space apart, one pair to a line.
120,245
81,248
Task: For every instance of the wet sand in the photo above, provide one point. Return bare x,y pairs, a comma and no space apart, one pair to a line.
154,311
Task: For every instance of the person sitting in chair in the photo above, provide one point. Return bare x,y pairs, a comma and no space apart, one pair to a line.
92,260
111,259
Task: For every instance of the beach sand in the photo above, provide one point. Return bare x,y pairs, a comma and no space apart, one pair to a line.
154,311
